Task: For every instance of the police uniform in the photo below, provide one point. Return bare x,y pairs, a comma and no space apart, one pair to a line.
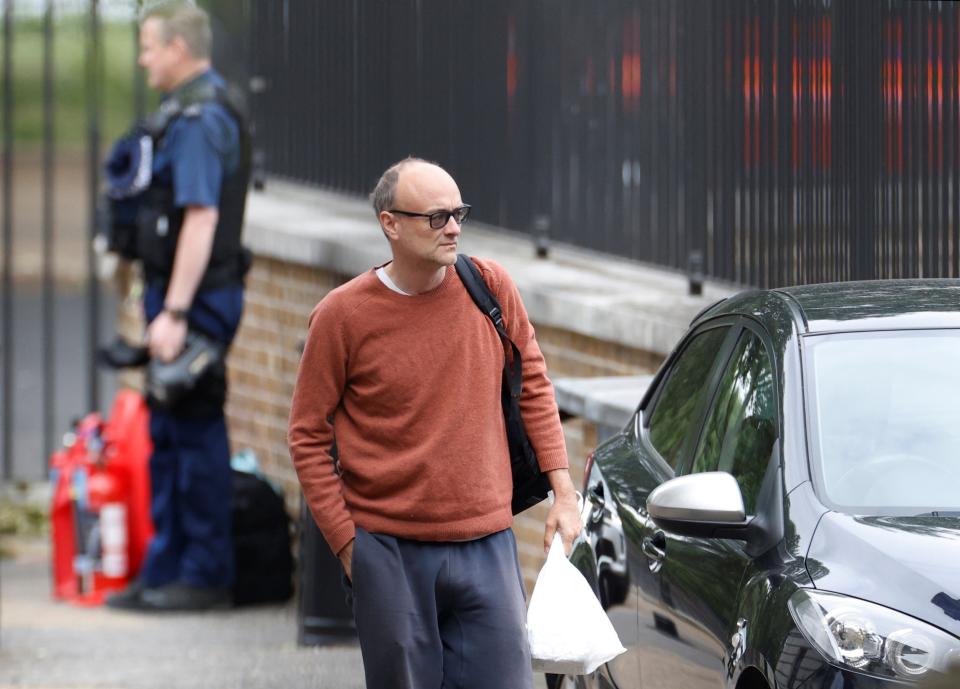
200,158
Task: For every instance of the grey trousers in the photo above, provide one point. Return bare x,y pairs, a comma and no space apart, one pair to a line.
440,615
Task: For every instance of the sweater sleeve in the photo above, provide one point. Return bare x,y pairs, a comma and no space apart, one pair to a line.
319,388
538,405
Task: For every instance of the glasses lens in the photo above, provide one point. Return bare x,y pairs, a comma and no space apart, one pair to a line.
439,220
460,215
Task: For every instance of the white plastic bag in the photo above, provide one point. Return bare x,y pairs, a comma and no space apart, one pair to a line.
569,632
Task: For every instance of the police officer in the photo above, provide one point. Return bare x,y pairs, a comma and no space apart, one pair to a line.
188,238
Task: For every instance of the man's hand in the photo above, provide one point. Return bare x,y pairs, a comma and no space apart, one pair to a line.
166,336
346,559
564,515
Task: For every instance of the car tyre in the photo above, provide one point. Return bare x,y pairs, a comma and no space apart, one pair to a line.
563,682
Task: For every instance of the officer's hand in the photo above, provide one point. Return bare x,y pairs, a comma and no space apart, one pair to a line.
346,559
564,516
166,337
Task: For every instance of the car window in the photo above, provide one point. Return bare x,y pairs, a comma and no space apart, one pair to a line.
883,411
682,394
741,426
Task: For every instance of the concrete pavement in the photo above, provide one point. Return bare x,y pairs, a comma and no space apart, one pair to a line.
50,645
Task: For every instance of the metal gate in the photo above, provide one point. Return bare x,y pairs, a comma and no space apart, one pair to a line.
70,85
69,82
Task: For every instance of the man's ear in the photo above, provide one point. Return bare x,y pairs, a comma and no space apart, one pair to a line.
180,45
388,222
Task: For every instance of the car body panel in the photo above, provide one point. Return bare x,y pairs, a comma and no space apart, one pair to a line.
903,563
803,512
656,656
879,305
611,517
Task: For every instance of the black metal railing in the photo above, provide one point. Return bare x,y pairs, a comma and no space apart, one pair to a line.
69,83
786,141
55,108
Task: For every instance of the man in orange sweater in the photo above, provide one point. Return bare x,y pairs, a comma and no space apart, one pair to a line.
405,370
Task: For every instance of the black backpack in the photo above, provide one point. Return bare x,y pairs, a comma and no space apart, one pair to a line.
263,563
530,486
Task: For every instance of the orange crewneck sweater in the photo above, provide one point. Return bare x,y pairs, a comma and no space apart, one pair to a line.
412,384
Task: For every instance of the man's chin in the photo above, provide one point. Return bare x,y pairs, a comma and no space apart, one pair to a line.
447,255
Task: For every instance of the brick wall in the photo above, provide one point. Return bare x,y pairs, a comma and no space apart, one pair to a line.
264,361
263,366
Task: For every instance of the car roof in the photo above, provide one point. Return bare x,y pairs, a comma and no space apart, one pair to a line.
852,306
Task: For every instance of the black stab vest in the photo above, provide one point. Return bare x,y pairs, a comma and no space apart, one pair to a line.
159,220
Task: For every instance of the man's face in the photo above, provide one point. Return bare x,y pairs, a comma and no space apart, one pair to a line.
160,59
424,188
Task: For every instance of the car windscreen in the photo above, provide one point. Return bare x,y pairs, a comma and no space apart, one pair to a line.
884,420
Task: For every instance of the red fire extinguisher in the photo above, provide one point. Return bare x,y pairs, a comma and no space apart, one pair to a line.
101,562
67,471
128,447
62,465
99,565
101,502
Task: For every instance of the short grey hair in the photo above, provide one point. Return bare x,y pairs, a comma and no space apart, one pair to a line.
184,19
383,194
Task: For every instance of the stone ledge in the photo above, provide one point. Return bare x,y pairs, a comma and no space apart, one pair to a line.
608,402
592,294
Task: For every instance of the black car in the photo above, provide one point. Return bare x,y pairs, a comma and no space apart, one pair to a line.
783,510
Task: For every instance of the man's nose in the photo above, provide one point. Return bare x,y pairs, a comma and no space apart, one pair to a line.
452,227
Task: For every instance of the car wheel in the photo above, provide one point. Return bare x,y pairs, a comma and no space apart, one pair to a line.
563,682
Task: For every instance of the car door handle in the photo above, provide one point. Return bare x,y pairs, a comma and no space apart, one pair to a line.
655,547
595,493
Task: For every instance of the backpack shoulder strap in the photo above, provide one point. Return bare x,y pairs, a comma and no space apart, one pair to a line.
484,299
480,292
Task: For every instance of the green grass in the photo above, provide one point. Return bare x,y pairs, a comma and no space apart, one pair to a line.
71,83
21,519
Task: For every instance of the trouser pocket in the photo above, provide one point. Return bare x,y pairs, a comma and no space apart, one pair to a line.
345,581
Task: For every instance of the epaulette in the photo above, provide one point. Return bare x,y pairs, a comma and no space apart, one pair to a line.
193,110
190,103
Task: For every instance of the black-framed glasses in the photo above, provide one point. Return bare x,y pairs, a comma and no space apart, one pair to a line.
440,219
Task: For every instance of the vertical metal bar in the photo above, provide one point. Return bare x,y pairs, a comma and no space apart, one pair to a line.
48,194
8,370
356,85
93,143
139,83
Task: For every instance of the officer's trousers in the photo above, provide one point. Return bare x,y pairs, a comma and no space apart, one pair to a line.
190,469
190,502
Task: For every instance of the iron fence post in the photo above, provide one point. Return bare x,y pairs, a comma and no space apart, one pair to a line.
8,370
48,331
93,142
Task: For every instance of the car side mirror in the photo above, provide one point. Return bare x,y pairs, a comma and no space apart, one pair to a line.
705,505
710,505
